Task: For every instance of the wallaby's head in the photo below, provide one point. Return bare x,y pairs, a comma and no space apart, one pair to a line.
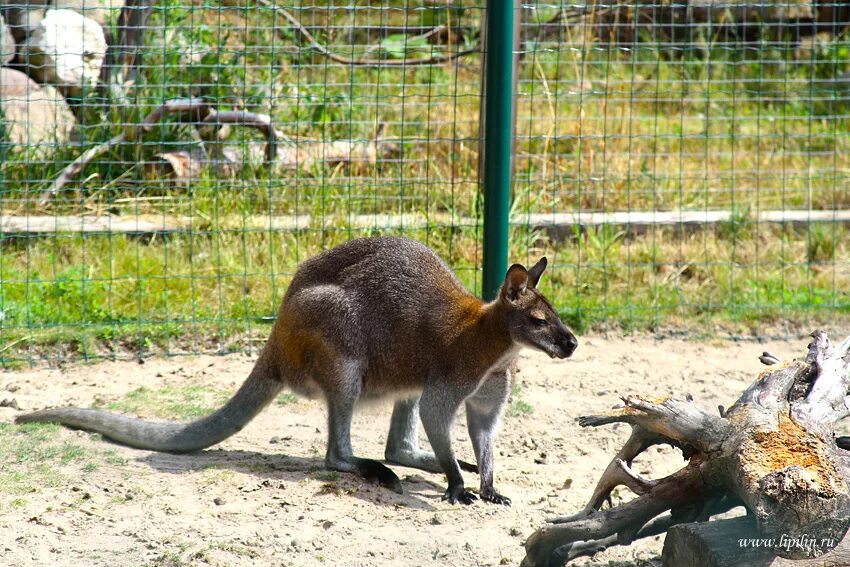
531,319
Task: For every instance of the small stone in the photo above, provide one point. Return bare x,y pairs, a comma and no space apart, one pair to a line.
567,484
250,487
327,524
12,387
219,501
9,403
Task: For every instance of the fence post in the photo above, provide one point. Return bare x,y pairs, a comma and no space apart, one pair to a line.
498,119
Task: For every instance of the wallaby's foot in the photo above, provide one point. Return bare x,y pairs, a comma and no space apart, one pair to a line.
371,470
374,471
489,494
458,493
423,460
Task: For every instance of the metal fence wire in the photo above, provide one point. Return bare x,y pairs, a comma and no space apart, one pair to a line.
164,166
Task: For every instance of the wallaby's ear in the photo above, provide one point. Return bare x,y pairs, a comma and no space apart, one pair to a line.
536,271
515,282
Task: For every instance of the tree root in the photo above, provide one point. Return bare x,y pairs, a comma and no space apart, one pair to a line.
774,451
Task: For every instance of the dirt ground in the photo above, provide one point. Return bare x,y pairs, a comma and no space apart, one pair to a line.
262,498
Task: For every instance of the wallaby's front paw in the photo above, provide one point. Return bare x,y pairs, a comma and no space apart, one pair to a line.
489,494
458,493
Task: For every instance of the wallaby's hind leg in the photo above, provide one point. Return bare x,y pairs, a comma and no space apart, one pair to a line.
403,440
483,412
340,457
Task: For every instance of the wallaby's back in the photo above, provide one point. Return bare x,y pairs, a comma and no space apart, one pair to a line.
390,303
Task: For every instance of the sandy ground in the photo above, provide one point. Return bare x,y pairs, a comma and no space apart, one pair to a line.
261,498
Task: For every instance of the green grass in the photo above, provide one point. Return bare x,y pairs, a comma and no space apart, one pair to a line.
171,402
34,456
516,405
286,398
741,278
599,130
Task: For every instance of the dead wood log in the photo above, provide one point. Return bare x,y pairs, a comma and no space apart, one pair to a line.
774,451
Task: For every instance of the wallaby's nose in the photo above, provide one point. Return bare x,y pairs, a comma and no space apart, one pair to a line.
572,344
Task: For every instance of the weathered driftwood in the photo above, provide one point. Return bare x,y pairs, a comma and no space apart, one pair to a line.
774,451
736,542
188,110
715,20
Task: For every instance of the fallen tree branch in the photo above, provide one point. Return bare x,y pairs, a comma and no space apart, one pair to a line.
363,62
189,109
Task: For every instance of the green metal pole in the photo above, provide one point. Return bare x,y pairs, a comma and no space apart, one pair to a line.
498,135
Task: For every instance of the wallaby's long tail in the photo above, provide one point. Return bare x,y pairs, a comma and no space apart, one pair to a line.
256,393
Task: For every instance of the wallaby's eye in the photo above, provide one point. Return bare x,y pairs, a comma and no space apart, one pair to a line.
537,321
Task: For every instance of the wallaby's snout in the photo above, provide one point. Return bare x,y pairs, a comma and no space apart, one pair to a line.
567,343
561,342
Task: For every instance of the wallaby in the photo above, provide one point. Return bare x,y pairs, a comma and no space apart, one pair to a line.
373,318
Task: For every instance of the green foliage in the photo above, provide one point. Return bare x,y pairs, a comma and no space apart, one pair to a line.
738,225
516,405
286,399
821,244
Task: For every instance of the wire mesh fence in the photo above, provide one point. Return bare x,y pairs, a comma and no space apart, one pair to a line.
731,112
681,164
